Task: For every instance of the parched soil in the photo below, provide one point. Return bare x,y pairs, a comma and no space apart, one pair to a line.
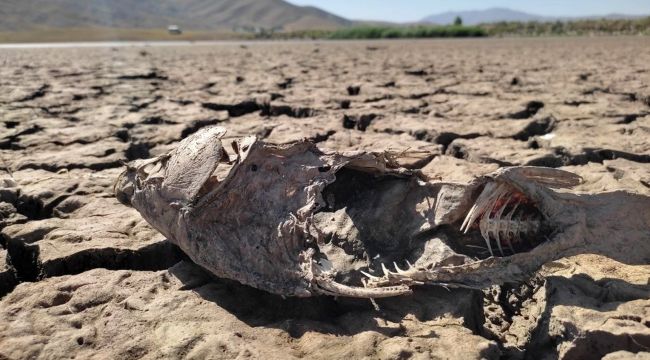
83,276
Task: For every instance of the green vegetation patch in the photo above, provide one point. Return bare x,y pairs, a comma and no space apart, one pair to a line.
393,32
639,26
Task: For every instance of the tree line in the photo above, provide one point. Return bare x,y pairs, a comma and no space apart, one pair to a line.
640,26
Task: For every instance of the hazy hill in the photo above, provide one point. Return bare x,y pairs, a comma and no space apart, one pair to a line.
481,16
22,15
503,14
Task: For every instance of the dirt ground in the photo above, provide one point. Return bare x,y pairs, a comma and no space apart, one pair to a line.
82,276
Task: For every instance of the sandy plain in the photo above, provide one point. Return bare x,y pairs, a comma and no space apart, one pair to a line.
82,276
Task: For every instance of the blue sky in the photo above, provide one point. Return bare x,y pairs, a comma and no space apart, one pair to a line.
411,10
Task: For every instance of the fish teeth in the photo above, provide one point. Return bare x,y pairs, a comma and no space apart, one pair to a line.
399,271
371,277
386,271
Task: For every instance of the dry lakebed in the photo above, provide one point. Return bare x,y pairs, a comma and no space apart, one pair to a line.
82,276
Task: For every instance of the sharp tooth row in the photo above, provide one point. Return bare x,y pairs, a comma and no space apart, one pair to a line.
387,273
492,222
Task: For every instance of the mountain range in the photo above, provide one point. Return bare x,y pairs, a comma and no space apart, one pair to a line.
206,15
27,15
496,14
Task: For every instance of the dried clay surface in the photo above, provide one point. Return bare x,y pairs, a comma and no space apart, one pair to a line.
84,276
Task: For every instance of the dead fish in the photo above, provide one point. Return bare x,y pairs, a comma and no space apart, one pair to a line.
296,220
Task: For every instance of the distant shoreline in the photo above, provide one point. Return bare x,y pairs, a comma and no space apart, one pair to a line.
99,44
587,28
145,44
113,35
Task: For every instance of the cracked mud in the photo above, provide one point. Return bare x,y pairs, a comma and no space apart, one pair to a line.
82,275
